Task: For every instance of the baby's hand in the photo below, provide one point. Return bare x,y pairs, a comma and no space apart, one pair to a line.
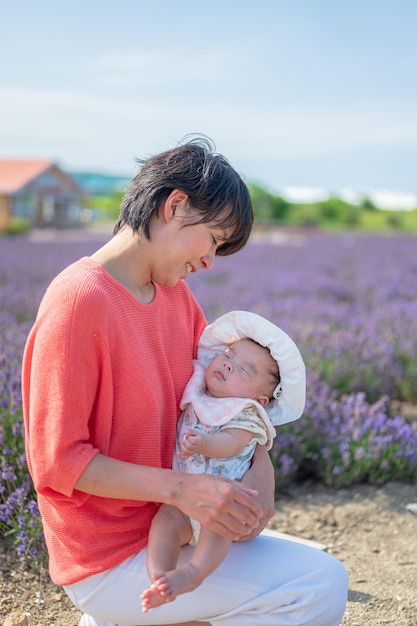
192,442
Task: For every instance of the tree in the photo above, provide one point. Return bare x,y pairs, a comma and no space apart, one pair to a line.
338,211
267,206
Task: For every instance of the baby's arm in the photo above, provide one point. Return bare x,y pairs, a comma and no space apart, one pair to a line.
225,443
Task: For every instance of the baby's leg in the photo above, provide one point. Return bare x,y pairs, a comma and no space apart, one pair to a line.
208,555
210,552
170,529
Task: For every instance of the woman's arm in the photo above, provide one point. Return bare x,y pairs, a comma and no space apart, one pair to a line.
261,478
222,505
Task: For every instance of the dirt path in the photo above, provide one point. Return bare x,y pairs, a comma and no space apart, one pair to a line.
368,528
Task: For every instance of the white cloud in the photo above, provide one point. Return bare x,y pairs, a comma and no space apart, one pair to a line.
393,199
183,67
304,194
109,129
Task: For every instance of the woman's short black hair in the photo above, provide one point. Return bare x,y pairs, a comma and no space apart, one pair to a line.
215,191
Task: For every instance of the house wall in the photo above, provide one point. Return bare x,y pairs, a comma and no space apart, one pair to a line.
53,198
5,212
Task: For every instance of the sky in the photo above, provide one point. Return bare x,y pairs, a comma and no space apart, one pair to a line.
295,93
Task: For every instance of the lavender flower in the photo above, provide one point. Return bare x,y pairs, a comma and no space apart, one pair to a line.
350,303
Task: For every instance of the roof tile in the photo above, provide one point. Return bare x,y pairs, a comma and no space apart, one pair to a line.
16,173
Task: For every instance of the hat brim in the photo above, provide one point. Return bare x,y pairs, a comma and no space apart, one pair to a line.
236,325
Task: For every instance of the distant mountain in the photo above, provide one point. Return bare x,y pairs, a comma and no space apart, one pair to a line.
95,184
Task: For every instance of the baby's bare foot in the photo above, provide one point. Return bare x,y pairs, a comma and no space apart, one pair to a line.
158,593
168,586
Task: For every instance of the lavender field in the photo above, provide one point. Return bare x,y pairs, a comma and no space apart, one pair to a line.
350,303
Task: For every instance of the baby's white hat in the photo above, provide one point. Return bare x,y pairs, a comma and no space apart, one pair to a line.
290,394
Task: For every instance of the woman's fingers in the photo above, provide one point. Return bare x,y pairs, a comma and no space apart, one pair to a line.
226,507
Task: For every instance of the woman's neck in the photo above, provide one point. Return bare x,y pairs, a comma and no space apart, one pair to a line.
124,258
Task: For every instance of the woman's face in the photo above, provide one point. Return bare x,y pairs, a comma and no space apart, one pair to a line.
186,247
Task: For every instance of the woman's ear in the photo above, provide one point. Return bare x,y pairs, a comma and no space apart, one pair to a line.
175,204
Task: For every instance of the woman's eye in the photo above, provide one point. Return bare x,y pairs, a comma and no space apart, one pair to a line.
214,241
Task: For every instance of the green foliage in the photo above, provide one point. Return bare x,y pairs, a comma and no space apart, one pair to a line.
374,221
267,206
331,214
279,208
335,211
383,220
17,226
368,205
107,207
395,220
406,385
409,220
303,215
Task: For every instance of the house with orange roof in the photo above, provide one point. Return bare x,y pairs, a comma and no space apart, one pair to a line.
40,192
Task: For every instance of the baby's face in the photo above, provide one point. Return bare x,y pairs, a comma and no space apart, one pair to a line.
243,371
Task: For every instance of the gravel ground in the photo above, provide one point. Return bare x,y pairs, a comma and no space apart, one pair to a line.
369,528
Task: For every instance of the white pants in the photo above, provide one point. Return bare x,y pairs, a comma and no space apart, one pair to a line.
265,582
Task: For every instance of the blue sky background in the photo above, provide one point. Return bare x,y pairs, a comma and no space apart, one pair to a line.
295,93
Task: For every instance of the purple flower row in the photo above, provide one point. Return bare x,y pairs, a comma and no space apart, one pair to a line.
350,303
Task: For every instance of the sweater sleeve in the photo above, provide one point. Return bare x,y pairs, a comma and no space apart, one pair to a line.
60,376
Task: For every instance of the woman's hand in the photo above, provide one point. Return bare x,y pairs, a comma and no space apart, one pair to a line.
224,506
261,477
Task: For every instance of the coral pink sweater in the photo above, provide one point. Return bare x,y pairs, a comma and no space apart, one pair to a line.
102,373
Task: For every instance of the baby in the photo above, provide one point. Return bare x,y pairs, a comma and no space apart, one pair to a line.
249,376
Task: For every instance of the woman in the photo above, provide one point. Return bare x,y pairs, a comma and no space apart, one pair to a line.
104,370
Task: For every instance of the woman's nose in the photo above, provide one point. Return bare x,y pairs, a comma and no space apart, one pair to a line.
207,261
